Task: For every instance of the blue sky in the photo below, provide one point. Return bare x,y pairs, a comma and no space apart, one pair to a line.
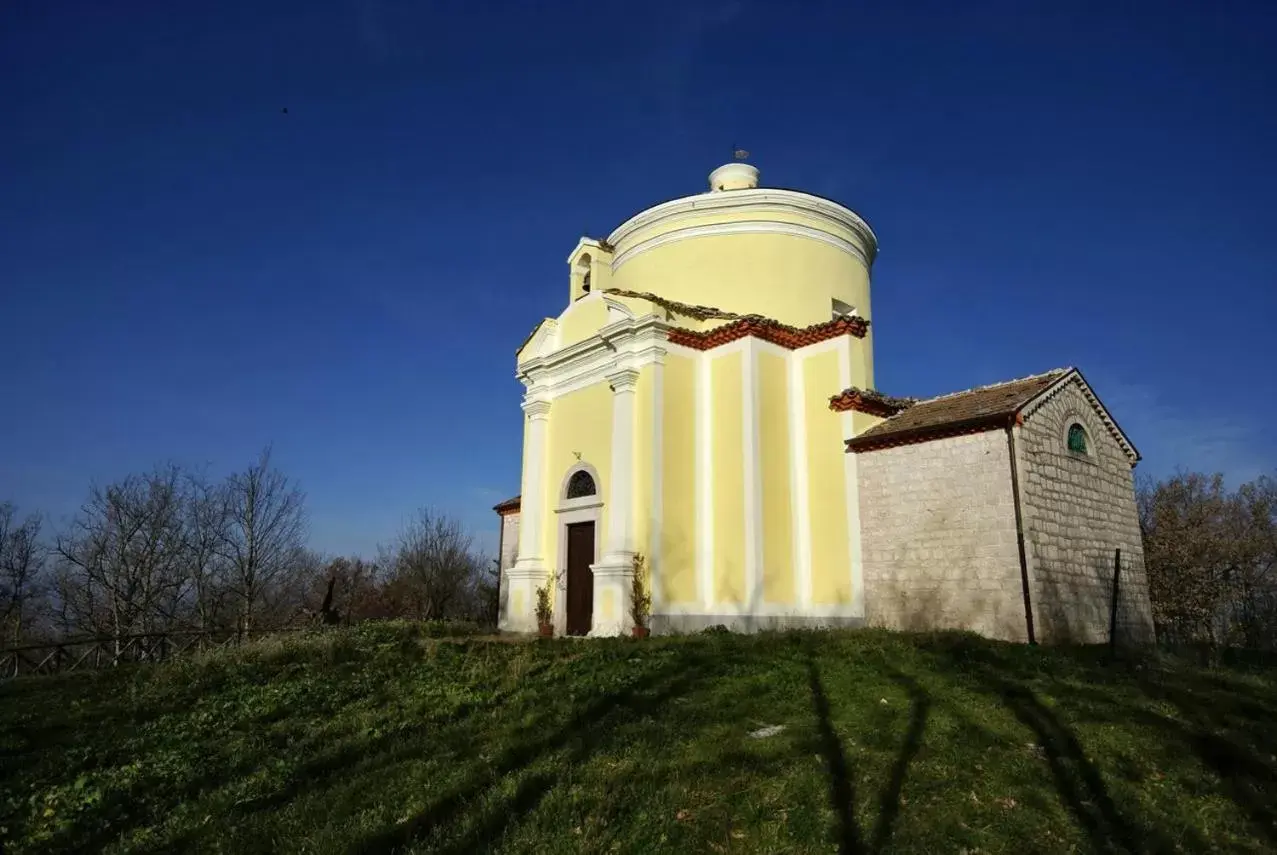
188,273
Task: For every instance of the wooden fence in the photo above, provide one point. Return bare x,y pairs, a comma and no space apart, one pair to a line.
81,654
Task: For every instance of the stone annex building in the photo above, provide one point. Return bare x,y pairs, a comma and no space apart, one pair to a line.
707,399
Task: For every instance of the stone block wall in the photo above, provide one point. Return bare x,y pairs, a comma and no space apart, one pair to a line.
939,538
1079,508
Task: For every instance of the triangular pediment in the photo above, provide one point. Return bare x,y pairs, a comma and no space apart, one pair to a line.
1074,377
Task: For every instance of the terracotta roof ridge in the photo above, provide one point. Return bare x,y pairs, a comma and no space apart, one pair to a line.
1054,372
769,330
869,401
883,397
700,313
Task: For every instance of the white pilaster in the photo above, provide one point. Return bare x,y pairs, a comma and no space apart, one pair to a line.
613,575
853,489
528,572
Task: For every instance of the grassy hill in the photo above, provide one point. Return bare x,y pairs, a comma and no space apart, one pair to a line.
379,739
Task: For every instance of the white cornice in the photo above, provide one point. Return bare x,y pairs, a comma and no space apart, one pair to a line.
536,408
748,201
624,345
623,380
864,253
583,245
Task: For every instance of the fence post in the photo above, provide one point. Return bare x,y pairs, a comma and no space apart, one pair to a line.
1117,575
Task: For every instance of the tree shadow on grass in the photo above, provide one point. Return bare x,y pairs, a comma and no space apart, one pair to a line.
1229,733
1077,780
842,795
580,735
889,800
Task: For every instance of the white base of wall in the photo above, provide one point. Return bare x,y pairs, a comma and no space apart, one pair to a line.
676,623
523,578
613,578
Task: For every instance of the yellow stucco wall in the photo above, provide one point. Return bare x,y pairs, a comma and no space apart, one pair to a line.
861,422
729,479
581,422
582,319
827,494
774,444
678,482
743,273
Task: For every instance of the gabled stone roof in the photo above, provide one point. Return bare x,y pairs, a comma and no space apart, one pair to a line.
970,411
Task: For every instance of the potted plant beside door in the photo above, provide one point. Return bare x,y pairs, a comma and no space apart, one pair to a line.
545,612
640,599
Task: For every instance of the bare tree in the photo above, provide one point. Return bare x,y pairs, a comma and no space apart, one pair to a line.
21,563
122,557
432,565
263,535
352,589
204,521
1210,556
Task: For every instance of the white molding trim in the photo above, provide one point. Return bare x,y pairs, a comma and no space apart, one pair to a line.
624,345
583,504
616,310
544,339
750,447
852,487
566,517
566,504
536,409
704,390
587,244
623,380
747,201
800,500
531,508
777,227
654,580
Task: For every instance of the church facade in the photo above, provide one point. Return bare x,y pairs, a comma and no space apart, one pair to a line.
707,400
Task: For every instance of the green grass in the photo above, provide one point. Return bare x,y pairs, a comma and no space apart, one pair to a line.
381,739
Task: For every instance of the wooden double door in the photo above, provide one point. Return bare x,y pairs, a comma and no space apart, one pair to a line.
580,578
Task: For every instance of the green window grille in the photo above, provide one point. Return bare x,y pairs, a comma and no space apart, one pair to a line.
1077,439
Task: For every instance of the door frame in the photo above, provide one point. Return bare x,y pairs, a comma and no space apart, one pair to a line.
567,577
584,509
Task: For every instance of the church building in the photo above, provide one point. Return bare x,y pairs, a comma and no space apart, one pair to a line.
706,400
